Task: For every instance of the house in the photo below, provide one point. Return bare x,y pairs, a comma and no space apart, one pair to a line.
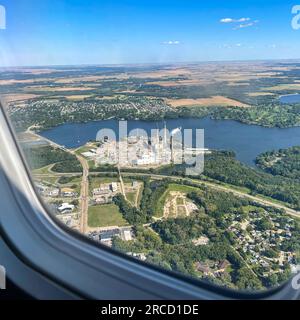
203,268
93,236
265,264
99,192
66,208
107,235
295,268
126,235
223,265
53,192
67,192
102,190
104,199
140,256
47,191
40,188
135,184
201,241
114,187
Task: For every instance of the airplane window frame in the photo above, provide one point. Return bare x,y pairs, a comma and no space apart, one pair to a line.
140,279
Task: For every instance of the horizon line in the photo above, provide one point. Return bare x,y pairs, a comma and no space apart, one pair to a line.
146,63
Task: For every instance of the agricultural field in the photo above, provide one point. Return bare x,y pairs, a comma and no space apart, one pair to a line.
206,102
150,92
289,86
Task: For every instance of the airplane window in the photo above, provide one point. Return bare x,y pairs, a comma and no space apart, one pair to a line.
176,143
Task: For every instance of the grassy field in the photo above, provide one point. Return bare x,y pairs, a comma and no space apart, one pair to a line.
105,216
108,179
44,170
181,212
131,196
91,164
86,148
48,180
80,150
180,201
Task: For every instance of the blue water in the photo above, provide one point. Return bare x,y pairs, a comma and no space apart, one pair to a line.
290,98
247,141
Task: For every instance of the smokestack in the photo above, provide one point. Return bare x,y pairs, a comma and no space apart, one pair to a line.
165,135
173,133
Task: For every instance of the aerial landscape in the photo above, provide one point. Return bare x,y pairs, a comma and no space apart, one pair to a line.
205,181
236,223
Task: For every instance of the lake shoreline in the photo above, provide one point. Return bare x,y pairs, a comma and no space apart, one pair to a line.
247,141
39,130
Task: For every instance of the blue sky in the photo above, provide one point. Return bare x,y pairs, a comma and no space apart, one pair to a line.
52,32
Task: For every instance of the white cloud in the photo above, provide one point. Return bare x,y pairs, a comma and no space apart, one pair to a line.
230,20
240,23
244,19
226,20
171,42
235,45
246,25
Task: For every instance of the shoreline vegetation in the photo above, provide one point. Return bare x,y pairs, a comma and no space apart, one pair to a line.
43,115
282,162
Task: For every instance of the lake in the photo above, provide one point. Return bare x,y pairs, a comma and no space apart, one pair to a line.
247,141
290,98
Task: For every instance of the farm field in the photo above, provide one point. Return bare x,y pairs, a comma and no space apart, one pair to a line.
206,102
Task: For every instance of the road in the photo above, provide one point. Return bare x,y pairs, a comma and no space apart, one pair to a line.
122,184
84,194
262,201
212,185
